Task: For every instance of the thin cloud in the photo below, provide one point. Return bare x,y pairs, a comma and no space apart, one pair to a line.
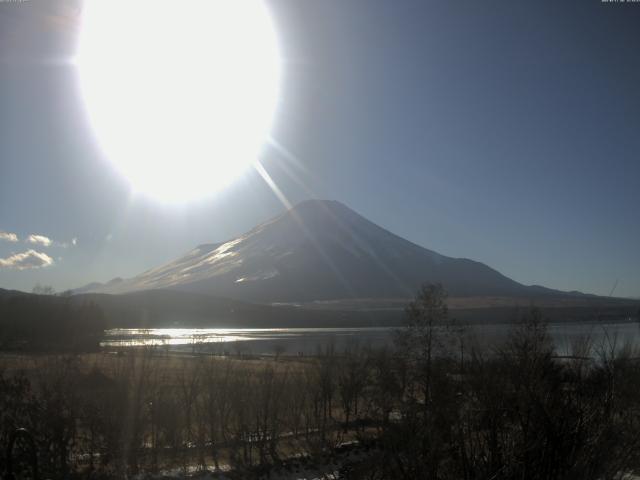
26,260
39,240
72,243
8,237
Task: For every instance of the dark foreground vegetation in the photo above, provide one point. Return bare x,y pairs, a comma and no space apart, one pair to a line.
434,407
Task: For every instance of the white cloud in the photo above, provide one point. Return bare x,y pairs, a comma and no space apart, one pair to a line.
9,237
74,241
25,260
39,240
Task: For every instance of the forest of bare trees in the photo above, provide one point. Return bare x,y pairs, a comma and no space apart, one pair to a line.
435,407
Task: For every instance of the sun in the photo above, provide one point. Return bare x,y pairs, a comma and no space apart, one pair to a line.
180,94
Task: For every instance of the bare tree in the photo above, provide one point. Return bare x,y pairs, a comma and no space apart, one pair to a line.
352,379
423,337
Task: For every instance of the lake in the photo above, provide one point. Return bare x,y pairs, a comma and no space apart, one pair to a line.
267,341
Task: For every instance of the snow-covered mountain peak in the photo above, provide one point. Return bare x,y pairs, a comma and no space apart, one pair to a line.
318,250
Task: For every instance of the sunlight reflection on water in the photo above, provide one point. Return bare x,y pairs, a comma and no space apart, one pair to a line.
132,337
565,336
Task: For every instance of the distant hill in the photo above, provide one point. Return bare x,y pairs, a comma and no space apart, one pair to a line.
48,322
318,251
174,308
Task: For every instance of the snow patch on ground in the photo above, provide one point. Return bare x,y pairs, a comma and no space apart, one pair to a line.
260,276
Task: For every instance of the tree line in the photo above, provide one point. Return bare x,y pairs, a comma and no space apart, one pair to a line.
47,322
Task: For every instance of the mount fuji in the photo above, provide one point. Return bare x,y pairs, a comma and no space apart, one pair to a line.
317,251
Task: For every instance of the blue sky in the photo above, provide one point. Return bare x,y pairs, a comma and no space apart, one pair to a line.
505,132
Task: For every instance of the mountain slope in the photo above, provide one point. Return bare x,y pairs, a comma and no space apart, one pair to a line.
320,250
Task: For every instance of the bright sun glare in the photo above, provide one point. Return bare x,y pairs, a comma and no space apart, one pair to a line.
181,94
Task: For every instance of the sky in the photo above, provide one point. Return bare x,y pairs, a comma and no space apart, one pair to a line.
506,132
